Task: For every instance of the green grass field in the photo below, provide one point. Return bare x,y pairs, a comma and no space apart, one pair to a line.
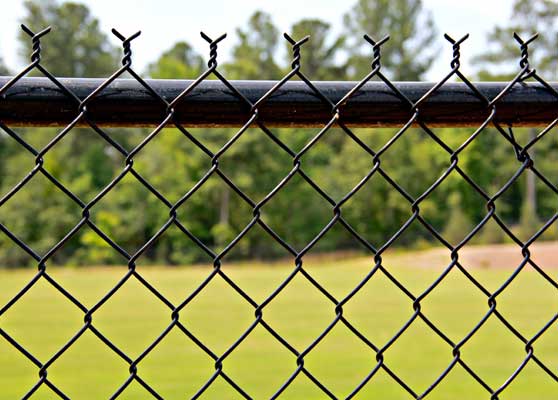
43,320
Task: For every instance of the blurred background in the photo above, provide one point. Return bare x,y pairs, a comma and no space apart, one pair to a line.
132,318
80,45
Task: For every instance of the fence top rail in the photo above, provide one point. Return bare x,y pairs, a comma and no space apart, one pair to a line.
126,103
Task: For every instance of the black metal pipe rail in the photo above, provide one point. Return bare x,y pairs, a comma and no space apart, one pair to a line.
39,102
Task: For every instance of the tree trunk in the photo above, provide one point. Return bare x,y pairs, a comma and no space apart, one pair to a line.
529,220
530,186
224,212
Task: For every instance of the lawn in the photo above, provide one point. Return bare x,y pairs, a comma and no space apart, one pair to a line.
43,320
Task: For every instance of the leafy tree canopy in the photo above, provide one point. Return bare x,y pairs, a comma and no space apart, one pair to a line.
412,46
76,46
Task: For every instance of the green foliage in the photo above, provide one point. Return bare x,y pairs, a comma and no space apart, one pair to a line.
254,55
75,47
529,222
491,233
179,62
320,57
131,215
458,225
527,18
411,49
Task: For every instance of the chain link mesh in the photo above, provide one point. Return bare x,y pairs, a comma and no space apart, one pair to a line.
524,163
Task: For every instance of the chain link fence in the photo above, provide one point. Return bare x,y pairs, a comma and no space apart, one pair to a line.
408,114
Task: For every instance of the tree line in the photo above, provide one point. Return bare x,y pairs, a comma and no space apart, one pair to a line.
41,215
